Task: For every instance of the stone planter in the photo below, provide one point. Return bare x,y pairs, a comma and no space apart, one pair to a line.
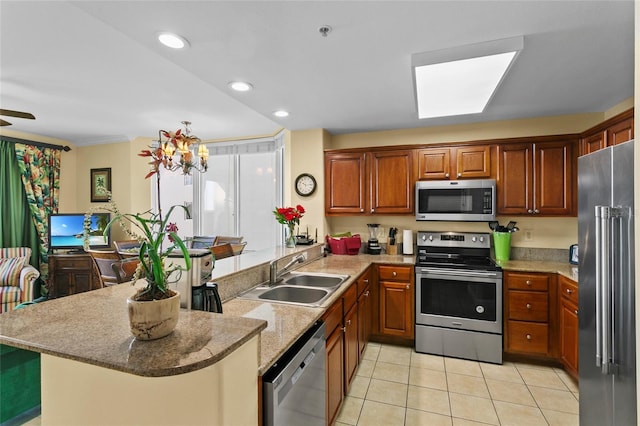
154,319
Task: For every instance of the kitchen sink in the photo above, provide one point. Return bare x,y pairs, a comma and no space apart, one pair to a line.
298,288
285,293
307,279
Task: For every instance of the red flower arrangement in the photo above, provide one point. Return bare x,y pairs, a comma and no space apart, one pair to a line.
289,215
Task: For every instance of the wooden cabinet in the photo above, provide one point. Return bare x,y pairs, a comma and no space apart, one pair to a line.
529,299
397,297
364,312
71,274
345,182
375,182
613,131
392,182
347,329
568,317
335,360
465,162
537,179
351,349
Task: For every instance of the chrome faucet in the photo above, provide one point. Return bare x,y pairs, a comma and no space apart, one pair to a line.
275,275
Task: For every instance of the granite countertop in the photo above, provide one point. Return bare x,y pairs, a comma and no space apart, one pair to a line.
563,268
286,323
93,328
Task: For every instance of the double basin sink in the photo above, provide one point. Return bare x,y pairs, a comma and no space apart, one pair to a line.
298,288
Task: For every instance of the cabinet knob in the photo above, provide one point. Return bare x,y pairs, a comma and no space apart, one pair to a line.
446,175
408,286
575,312
569,291
344,329
536,211
366,293
394,273
459,174
528,282
348,322
528,305
361,210
372,210
528,337
366,281
530,211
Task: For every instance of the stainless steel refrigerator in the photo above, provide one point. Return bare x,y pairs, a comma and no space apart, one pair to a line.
607,330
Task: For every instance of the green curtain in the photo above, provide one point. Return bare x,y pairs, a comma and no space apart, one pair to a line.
40,173
16,226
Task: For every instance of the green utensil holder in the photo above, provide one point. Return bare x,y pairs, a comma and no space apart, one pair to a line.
502,245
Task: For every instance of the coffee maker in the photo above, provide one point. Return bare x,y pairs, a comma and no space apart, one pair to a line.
373,247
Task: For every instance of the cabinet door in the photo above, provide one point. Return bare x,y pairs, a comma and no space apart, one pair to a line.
391,182
473,162
620,132
515,179
351,351
364,320
345,182
434,163
334,374
569,335
593,143
396,309
554,179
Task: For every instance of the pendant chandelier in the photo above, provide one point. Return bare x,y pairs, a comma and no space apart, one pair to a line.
179,150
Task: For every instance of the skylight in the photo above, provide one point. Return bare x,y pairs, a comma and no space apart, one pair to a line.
461,80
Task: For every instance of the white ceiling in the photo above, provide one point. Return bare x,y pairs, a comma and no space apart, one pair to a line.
93,72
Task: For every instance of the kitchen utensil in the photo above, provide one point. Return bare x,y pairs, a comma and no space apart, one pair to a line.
510,226
493,225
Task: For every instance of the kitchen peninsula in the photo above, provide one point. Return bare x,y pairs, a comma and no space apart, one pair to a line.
95,372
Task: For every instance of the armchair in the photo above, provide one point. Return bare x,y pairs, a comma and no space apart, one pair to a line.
17,277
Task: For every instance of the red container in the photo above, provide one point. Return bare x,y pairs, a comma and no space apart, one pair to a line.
345,245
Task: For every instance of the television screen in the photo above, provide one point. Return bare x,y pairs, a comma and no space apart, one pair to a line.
65,231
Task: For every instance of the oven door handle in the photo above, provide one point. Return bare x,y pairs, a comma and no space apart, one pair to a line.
458,272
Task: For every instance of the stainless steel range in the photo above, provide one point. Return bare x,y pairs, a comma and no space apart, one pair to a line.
458,296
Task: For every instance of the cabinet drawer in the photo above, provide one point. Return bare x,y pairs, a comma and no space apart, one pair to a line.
528,306
568,289
332,318
394,273
73,263
527,282
350,297
528,337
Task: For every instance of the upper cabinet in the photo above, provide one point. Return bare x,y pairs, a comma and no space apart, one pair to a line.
537,179
616,130
465,162
375,182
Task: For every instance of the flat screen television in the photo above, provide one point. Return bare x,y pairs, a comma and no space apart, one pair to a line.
65,231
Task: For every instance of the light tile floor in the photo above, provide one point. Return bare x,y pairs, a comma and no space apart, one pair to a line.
397,386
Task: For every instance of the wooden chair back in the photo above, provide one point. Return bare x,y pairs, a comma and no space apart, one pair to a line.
103,259
125,269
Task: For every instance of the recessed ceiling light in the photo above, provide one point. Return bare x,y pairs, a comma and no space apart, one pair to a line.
461,80
173,41
281,113
240,86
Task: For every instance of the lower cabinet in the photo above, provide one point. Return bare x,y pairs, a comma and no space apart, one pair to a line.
529,299
348,326
397,301
568,295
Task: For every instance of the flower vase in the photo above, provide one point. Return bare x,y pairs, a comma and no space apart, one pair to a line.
291,237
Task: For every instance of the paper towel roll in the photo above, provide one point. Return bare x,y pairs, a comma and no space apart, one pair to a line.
407,241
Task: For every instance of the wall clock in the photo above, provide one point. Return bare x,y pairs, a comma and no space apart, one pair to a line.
305,184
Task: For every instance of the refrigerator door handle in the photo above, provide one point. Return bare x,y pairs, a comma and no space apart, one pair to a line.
603,287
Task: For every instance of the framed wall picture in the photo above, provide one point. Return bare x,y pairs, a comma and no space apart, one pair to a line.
100,184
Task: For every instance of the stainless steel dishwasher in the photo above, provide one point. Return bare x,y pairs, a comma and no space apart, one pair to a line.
294,387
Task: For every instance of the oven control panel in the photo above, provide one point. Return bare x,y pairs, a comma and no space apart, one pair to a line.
454,239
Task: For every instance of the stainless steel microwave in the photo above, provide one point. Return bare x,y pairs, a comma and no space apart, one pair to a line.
456,200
